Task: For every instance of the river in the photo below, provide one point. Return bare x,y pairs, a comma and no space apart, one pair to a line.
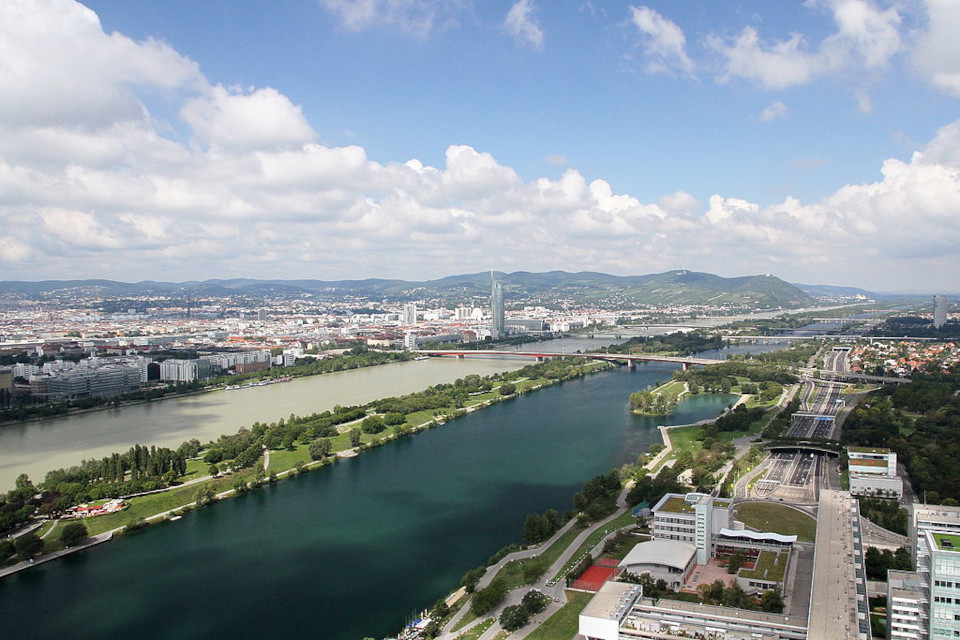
350,550
37,447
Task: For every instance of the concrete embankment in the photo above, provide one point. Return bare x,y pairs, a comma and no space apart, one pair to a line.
83,546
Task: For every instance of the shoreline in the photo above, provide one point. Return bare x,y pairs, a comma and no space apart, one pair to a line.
311,465
186,394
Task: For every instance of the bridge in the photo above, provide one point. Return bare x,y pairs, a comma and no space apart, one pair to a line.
630,359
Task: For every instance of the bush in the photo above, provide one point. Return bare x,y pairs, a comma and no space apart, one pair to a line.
28,546
487,599
73,533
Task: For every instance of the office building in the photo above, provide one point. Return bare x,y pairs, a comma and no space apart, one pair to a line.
409,314
693,518
939,311
497,312
873,472
925,604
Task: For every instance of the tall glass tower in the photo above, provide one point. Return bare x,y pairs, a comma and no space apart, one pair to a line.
497,315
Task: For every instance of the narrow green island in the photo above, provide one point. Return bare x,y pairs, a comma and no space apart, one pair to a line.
129,490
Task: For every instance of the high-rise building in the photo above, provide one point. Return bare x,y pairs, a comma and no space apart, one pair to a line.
925,604
497,313
939,311
409,314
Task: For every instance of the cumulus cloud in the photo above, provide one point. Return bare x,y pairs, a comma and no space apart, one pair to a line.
865,40
51,49
521,23
664,44
254,120
253,193
414,17
936,54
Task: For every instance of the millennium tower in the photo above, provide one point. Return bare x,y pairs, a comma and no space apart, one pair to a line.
497,316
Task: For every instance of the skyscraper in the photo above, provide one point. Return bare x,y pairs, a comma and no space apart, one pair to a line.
409,313
497,316
939,311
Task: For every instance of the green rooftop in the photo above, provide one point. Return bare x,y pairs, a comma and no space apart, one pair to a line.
867,462
770,566
676,505
947,542
867,450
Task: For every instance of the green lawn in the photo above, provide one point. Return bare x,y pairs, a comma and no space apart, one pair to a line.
281,460
477,631
777,518
770,566
564,624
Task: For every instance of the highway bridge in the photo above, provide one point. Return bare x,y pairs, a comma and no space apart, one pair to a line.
627,358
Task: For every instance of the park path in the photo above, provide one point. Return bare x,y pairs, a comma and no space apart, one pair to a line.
550,583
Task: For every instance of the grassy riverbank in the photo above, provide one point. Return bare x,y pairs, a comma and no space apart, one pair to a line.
198,485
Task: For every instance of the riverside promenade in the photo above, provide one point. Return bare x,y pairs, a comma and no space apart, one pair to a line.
551,583
82,546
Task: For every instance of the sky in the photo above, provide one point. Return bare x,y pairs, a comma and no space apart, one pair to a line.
817,141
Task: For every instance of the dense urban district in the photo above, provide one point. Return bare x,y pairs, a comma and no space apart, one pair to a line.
823,503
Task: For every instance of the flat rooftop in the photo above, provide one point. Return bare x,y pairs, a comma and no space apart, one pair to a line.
674,504
833,605
867,462
946,541
612,601
877,450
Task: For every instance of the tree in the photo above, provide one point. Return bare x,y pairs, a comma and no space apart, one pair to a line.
489,597
514,617
736,561
373,424
320,448
536,528
507,389
772,601
471,578
535,601
73,533
204,495
28,546
354,437
213,470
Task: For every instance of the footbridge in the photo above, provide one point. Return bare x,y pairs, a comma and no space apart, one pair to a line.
621,358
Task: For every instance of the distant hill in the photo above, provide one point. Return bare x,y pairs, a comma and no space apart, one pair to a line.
672,287
828,291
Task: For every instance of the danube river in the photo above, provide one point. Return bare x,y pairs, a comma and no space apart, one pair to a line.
350,550
37,447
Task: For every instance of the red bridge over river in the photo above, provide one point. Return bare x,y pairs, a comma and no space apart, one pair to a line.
627,358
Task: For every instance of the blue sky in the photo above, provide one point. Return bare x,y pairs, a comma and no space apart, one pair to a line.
420,138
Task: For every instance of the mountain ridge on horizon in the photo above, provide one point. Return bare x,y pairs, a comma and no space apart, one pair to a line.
671,287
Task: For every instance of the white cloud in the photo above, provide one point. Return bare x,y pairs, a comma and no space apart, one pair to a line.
866,39
773,111
937,55
117,198
263,118
414,17
522,24
52,48
664,44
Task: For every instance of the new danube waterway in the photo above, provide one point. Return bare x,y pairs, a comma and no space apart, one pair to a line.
353,549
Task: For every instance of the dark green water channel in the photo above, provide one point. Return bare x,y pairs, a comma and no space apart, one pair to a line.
351,550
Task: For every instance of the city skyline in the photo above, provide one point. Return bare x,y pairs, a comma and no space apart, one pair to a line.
815,141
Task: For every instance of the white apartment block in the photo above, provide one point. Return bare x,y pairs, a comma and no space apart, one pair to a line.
873,472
